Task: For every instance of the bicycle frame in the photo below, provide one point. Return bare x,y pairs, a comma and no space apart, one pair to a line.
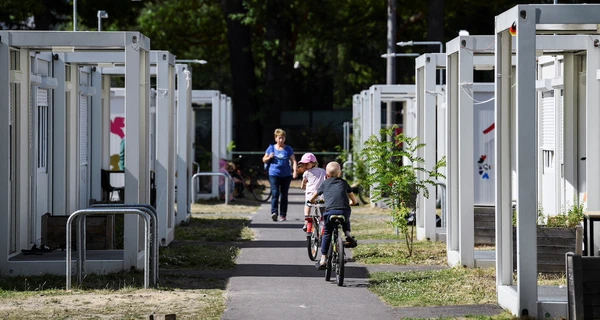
335,255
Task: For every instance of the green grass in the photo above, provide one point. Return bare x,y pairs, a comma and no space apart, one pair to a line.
222,229
452,286
424,253
200,257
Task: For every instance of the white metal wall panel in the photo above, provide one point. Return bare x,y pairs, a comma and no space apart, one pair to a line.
83,130
484,149
548,118
42,97
562,127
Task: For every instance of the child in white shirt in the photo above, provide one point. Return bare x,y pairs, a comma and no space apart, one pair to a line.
311,179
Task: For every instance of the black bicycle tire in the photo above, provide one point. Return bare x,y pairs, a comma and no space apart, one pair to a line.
362,194
261,191
313,242
339,268
328,264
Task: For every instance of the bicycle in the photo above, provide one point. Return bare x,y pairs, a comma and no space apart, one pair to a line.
336,253
314,228
255,180
361,192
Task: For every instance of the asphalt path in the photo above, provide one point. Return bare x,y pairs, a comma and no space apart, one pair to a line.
275,279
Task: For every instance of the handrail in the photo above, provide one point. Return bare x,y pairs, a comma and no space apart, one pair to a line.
154,215
199,174
84,212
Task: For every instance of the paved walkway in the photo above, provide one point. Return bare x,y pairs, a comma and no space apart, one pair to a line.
275,279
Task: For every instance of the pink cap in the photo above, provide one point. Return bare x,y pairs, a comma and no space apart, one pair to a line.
308,157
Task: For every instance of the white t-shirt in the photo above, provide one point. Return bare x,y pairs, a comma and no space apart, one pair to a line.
314,177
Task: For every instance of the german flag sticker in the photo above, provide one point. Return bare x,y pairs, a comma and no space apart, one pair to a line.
513,29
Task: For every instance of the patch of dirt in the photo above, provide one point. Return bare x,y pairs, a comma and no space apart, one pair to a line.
138,304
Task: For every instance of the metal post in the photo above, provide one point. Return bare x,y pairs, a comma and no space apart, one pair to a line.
391,62
227,183
154,229
83,212
74,15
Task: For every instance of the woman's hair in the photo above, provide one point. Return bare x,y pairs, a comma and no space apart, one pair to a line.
279,132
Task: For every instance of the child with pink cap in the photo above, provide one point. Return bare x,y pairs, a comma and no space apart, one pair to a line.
312,178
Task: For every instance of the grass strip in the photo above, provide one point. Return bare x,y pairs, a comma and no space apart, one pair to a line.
454,286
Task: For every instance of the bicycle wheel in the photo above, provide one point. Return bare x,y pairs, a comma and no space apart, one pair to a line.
339,263
328,264
261,188
313,241
363,194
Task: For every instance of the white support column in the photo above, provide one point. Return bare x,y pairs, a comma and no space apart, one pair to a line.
366,118
165,87
356,116
592,161
24,154
229,126
5,173
420,88
98,135
183,114
223,127
375,108
137,109
466,223
570,122
59,144
503,169
452,178
526,166
428,128
215,140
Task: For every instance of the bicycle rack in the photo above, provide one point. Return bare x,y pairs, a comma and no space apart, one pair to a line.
81,239
154,237
200,174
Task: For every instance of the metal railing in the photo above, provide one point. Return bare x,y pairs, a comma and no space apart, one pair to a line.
81,239
202,174
154,231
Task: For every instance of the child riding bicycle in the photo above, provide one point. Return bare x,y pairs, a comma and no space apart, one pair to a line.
312,178
336,192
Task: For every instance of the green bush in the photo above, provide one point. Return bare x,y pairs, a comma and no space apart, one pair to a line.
394,182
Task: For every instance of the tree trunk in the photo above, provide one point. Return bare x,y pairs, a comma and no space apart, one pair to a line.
248,132
279,67
435,25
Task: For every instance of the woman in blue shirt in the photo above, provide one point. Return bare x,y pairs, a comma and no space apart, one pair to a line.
278,157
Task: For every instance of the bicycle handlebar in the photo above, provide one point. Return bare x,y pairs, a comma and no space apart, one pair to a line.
320,203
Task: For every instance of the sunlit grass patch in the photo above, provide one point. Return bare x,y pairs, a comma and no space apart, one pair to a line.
372,228
212,206
424,253
214,229
435,288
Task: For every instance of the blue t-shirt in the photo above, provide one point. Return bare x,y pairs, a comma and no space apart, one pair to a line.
280,164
